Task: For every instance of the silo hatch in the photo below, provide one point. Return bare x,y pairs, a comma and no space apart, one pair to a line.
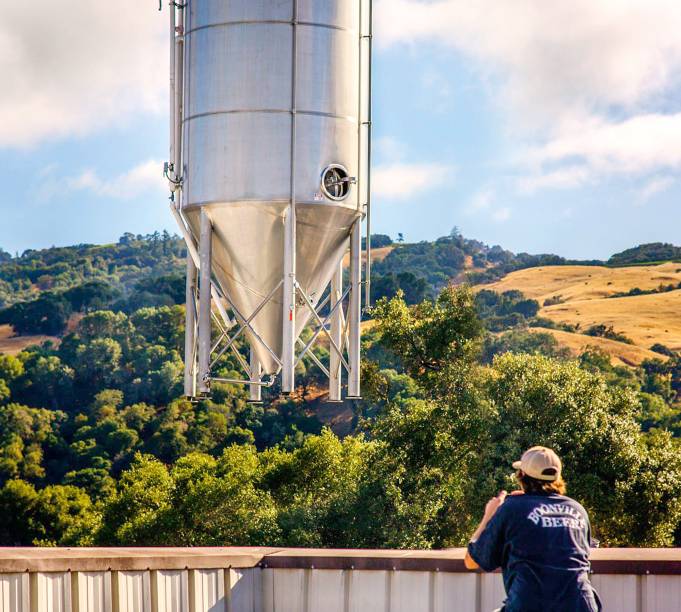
336,182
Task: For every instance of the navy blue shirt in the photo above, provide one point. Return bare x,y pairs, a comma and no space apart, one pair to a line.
541,543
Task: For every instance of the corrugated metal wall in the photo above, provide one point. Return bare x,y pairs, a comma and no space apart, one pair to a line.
299,590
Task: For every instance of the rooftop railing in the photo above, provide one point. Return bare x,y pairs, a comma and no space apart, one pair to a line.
300,580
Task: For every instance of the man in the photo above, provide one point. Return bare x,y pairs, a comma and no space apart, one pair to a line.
540,538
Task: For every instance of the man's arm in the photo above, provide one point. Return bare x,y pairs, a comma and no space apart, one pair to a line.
490,510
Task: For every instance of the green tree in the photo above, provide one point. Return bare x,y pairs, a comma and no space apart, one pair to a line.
11,368
133,515
104,324
48,314
522,341
97,364
201,501
46,382
18,500
163,325
220,502
55,515
24,433
91,295
431,337
157,374
315,486
63,515
656,413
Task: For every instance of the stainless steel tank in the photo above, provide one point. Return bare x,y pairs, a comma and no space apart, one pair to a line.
273,152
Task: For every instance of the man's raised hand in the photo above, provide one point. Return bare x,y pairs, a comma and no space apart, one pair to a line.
494,504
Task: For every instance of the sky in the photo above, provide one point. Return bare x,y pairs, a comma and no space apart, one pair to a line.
540,126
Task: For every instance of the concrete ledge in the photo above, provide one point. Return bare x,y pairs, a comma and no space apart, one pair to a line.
127,559
636,561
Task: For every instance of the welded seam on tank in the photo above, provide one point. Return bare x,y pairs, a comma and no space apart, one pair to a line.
198,205
327,26
274,111
245,202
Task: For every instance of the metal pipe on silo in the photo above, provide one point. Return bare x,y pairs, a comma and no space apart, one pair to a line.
176,61
289,302
179,91
204,339
190,330
335,365
255,390
171,12
192,261
367,36
355,311
290,222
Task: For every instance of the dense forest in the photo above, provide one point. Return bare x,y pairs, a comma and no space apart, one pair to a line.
97,445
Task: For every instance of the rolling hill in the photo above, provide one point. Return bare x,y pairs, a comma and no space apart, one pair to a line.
577,283
584,296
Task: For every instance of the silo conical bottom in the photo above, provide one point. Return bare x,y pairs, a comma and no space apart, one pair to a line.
248,259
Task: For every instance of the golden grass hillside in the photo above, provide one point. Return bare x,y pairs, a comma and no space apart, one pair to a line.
620,353
646,319
578,283
583,294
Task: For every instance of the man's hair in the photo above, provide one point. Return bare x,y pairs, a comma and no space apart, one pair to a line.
534,485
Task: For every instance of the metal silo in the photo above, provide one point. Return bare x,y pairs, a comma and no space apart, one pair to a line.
269,168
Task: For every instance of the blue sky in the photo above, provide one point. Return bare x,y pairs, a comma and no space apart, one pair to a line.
497,118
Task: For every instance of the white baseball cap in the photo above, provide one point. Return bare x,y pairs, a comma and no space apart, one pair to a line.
541,463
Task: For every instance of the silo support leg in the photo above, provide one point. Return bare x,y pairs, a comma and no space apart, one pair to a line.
355,310
256,376
289,303
190,330
205,246
335,370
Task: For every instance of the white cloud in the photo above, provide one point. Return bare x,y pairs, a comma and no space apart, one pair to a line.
562,178
551,56
77,66
389,149
654,187
146,177
437,89
399,181
639,144
589,87
481,200
636,147
501,215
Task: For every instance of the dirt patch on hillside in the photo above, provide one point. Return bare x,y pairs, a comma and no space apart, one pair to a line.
378,254
12,345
